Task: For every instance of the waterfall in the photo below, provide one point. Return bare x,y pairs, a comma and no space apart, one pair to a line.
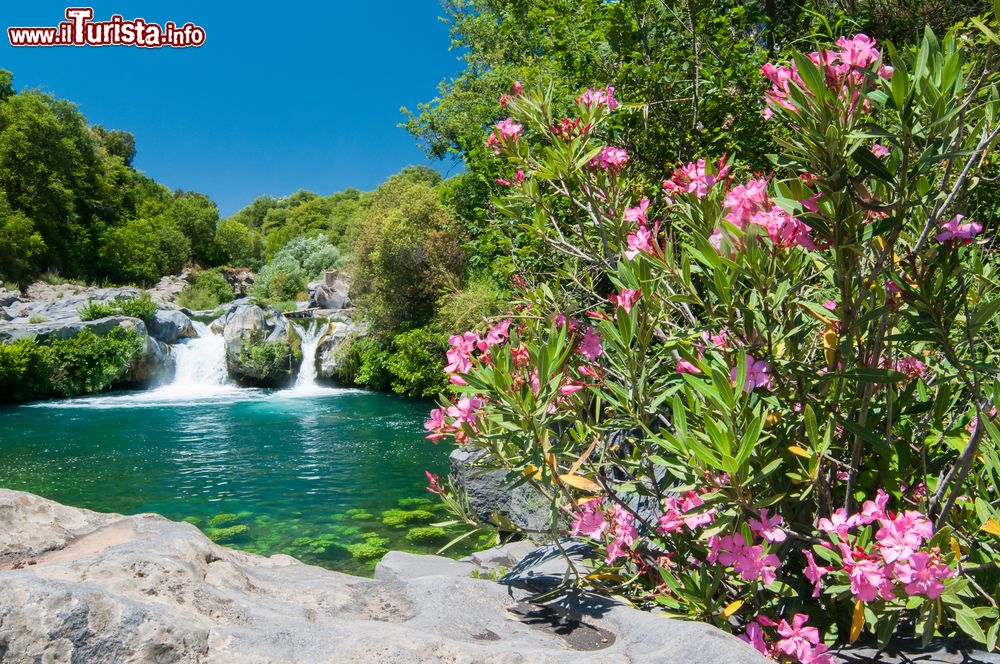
310,337
200,365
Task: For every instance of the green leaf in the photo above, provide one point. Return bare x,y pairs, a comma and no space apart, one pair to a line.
871,164
966,619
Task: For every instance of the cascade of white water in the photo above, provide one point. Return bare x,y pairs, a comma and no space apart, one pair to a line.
200,364
310,340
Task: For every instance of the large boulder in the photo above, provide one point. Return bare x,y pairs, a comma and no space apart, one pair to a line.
331,349
154,367
331,293
252,333
77,586
490,492
8,298
170,326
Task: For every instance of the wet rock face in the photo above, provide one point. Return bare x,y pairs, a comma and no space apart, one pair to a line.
331,349
77,586
171,326
275,362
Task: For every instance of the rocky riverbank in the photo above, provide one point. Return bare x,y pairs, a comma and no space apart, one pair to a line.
78,586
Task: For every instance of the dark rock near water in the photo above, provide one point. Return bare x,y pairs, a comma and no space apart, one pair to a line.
77,586
155,367
8,298
331,349
489,491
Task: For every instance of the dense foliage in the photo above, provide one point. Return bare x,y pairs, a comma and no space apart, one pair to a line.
762,397
140,307
297,263
206,290
82,364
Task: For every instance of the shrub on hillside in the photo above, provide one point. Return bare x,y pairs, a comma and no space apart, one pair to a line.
140,307
301,260
206,290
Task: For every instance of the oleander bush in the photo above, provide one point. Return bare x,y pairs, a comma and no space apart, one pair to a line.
767,401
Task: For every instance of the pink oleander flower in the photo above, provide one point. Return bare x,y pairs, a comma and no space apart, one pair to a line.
767,527
623,532
436,425
839,522
975,420
517,88
571,387
683,366
830,304
750,562
954,229
434,483
626,299
900,537
879,150
505,132
466,410
866,575
923,574
497,335
745,200
758,374
589,520
911,366
797,639
460,353
590,346
677,513
817,655
594,98
858,51
783,229
754,635
873,510
694,178
813,572
611,158
640,241
637,214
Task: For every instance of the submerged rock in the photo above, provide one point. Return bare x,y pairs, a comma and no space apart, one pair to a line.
77,586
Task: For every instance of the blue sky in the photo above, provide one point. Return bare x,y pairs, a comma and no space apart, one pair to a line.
282,95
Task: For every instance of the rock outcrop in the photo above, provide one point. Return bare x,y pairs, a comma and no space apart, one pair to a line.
171,326
489,492
262,349
331,349
331,293
77,586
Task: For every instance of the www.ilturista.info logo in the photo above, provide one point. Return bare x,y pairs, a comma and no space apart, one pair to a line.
81,30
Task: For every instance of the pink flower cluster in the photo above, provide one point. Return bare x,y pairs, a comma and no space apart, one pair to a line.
749,204
693,178
895,558
464,411
758,375
626,299
619,530
797,639
677,514
610,159
641,240
845,70
595,98
506,132
751,562
954,229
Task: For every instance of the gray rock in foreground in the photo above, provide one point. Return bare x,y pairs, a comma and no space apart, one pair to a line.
489,491
77,586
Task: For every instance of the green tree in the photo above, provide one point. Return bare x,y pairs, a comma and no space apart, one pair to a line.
237,244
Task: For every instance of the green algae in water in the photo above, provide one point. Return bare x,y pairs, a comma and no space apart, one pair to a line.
224,519
226,535
422,503
427,535
367,550
397,517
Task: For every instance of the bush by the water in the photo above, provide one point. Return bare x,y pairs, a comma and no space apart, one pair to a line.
264,360
137,307
82,364
793,374
206,290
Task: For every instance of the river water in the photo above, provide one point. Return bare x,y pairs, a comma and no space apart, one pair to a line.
332,476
